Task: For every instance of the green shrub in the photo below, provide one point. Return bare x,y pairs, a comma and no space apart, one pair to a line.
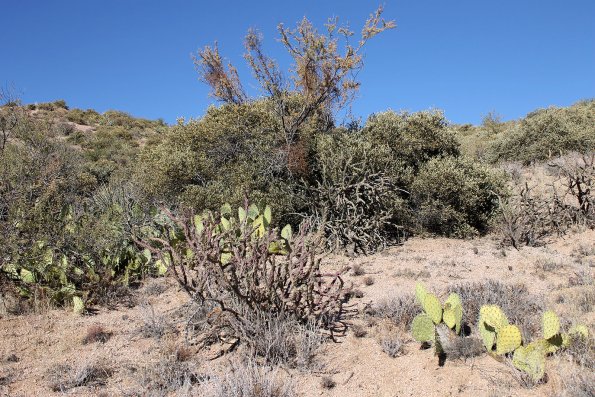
455,196
354,193
547,133
413,138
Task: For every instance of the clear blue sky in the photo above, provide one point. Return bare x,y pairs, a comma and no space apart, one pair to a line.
466,57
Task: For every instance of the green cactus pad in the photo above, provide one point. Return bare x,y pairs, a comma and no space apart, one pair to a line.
453,312
242,214
420,293
253,212
286,232
579,330
433,308
226,209
422,328
267,216
493,316
488,334
78,305
530,359
551,324
27,276
198,224
508,339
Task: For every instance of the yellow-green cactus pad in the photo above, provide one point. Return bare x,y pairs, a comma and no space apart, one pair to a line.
488,334
579,330
453,312
27,276
551,324
508,339
493,316
78,305
530,359
420,293
422,328
433,308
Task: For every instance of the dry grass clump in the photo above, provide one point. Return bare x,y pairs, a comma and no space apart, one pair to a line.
582,352
359,331
165,376
327,382
65,377
247,379
96,333
521,307
399,310
282,340
358,270
153,325
393,345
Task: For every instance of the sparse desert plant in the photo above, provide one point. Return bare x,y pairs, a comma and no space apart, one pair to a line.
327,382
164,376
96,333
393,345
248,379
399,310
244,267
153,325
359,331
64,377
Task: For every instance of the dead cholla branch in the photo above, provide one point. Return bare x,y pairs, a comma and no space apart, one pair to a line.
245,277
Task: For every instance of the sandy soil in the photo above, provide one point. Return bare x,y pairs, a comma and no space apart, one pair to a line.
33,347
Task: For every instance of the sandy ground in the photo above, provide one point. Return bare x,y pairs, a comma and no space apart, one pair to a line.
33,347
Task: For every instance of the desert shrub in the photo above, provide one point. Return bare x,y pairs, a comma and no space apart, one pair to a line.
354,195
546,133
238,268
530,216
413,138
232,151
84,117
281,340
455,196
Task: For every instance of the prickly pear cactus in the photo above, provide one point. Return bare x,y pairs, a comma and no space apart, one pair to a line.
579,330
493,316
508,339
453,312
422,328
433,308
78,305
420,293
550,324
530,359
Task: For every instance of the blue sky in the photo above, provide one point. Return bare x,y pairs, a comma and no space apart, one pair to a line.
466,57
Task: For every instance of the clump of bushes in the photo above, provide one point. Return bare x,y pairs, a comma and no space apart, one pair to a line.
547,133
456,196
